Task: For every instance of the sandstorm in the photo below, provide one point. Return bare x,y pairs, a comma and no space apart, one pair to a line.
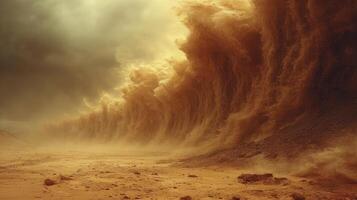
178,100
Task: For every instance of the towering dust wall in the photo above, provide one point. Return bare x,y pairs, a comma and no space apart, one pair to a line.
252,68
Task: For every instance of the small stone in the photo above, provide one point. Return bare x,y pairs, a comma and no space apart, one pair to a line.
65,178
192,176
186,198
49,182
253,178
297,196
235,198
268,179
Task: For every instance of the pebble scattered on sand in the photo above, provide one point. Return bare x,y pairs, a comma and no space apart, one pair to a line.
261,179
297,196
49,182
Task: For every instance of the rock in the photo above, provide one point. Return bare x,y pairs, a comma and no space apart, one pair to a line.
282,180
65,178
235,198
49,182
253,178
137,173
261,178
192,176
104,172
297,196
186,198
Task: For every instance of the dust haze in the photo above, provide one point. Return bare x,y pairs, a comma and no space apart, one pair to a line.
244,99
57,54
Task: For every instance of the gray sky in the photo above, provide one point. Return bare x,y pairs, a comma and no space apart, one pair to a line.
55,53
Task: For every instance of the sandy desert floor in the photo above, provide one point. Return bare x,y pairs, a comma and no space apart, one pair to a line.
97,176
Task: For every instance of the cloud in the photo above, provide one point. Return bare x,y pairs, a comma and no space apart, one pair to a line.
56,53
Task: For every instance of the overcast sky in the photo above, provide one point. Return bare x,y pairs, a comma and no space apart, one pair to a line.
55,53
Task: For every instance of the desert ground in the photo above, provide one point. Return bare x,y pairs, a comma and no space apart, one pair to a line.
32,173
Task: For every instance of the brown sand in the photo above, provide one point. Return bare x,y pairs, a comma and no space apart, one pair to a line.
85,176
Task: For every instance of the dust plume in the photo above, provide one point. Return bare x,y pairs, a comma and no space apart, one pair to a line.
276,78
252,70
338,162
